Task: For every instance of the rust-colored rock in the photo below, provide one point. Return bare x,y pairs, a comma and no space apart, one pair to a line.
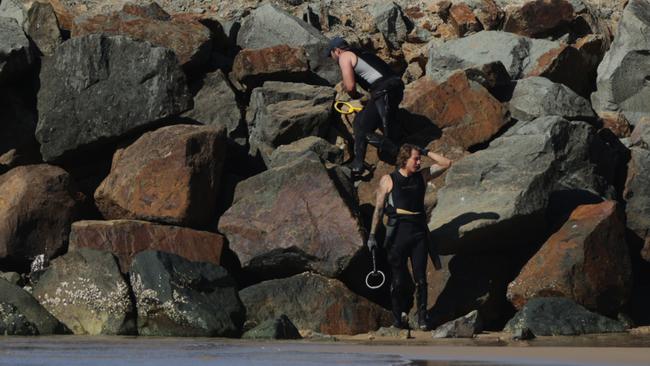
324,305
282,63
188,38
560,65
170,175
535,18
463,19
126,238
37,205
587,261
489,14
463,109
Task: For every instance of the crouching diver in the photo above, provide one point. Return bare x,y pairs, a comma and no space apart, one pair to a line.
386,92
401,195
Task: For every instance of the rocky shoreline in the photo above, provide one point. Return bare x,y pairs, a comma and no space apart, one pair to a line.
177,169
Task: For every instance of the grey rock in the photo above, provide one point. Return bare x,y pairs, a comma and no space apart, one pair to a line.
19,306
505,190
523,334
43,28
85,290
622,75
518,54
550,316
535,97
463,327
13,322
637,192
280,328
176,297
314,227
97,89
269,26
15,51
281,113
12,277
286,154
215,104
389,19
13,9
313,303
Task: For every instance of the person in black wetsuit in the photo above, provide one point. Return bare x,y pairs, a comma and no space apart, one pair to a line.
386,92
401,196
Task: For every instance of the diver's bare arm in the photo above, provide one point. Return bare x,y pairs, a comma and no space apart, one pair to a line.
440,165
385,186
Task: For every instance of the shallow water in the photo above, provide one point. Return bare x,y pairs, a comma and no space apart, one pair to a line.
112,351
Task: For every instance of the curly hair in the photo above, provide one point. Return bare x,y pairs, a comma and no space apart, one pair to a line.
404,154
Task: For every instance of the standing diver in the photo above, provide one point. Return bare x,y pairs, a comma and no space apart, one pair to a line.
401,195
386,92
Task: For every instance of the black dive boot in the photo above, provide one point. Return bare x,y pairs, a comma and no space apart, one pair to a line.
400,319
421,291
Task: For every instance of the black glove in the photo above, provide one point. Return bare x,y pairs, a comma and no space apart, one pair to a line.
372,242
423,151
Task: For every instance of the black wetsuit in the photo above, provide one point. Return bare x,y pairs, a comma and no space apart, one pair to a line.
407,236
386,92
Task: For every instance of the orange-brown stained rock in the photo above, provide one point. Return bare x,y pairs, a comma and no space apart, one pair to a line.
560,64
616,122
463,19
587,261
188,38
315,303
489,14
126,238
464,110
37,205
170,175
276,60
537,17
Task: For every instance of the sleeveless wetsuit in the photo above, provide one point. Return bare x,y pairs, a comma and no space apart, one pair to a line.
386,92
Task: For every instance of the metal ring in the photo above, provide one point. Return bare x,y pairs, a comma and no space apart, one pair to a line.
372,274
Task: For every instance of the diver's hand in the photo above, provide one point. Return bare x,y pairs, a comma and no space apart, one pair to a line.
372,242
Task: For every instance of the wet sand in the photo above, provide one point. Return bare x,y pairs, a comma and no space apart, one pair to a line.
489,349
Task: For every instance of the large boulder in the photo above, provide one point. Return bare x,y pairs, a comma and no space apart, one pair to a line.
391,22
15,50
179,298
252,67
97,89
169,175
313,303
126,238
268,26
43,28
38,205
625,67
13,9
215,104
189,39
520,55
21,314
291,219
286,154
85,290
463,109
587,261
504,191
535,97
280,113
552,316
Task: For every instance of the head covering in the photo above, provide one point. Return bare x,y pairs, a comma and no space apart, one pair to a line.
336,42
